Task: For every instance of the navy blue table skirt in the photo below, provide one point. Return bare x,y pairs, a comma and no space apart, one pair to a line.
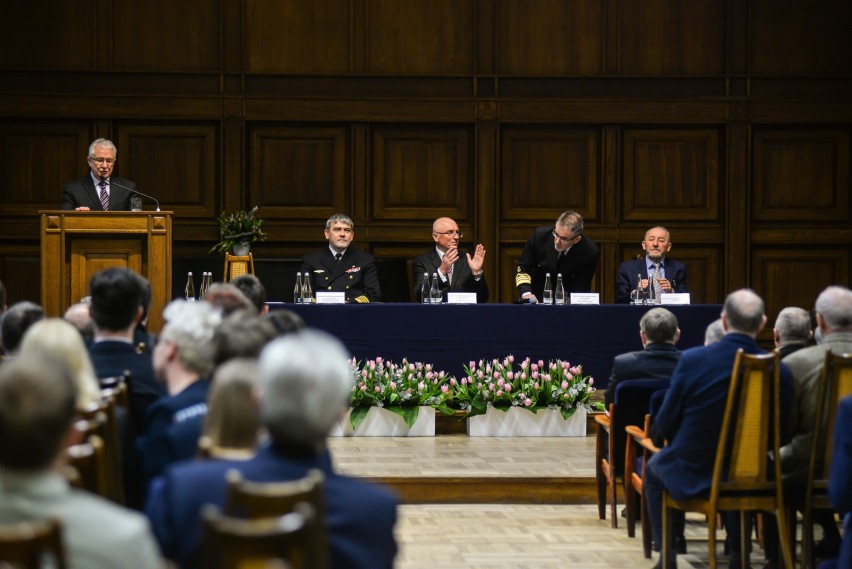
450,336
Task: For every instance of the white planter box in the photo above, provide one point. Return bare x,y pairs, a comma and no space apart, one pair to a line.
382,423
517,422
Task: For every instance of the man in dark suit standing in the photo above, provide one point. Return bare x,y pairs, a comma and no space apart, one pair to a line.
341,268
456,273
670,274
691,414
305,386
562,249
99,190
659,332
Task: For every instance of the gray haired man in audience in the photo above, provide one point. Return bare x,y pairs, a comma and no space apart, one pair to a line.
792,330
37,410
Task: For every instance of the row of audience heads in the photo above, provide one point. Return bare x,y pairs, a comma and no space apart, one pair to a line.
744,312
305,378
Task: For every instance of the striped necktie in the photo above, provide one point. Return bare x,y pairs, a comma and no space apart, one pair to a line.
104,195
658,290
450,275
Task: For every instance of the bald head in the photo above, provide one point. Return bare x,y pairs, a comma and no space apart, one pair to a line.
744,312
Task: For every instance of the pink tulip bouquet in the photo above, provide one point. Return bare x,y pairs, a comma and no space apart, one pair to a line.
399,388
501,384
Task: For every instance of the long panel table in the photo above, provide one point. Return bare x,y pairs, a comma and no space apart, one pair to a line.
450,336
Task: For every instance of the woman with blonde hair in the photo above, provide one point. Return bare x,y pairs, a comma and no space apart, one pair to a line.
63,341
232,424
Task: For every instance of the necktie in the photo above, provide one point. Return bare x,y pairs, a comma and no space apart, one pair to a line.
450,275
338,256
104,195
657,288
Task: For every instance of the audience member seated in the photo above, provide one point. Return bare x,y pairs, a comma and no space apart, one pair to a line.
254,290
834,318
37,409
285,321
79,315
182,361
715,331
116,308
227,298
691,416
840,483
792,330
659,333
232,423
142,340
14,324
58,338
242,334
306,383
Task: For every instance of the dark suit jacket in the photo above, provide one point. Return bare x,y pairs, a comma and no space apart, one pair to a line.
628,270
82,192
360,517
463,280
691,415
656,361
540,257
111,358
355,274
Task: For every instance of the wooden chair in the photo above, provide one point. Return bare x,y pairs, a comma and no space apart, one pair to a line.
629,408
238,543
102,420
236,265
86,466
28,544
255,500
835,383
741,479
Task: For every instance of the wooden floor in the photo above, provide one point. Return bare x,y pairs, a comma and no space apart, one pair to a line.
502,503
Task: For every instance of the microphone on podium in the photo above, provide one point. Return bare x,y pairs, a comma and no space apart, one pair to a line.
122,186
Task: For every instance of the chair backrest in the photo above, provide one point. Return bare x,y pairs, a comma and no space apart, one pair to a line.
256,500
28,544
265,499
751,415
238,543
630,405
835,384
87,465
103,422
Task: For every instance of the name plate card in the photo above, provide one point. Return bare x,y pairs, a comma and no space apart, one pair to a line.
585,298
674,298
325,297
461,298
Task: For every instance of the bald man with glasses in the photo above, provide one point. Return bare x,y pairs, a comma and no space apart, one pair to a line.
457,272
99,190
559,249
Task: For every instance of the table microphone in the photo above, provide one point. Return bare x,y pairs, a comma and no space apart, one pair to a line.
137,192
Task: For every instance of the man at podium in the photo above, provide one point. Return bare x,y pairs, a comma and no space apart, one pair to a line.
99,190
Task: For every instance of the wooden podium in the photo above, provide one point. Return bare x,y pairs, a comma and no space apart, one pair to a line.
77,244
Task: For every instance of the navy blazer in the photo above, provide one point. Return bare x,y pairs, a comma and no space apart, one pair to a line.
628,270
839,481
463,280
692,411
112,358
360,517
354,275
82,192
656,361
172,428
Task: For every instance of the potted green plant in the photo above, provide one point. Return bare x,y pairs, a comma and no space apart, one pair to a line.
238,230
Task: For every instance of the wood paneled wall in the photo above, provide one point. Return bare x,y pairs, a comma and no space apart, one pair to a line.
727,121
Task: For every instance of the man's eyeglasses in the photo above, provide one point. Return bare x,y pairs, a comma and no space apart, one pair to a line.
102,160
562,239
455,232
